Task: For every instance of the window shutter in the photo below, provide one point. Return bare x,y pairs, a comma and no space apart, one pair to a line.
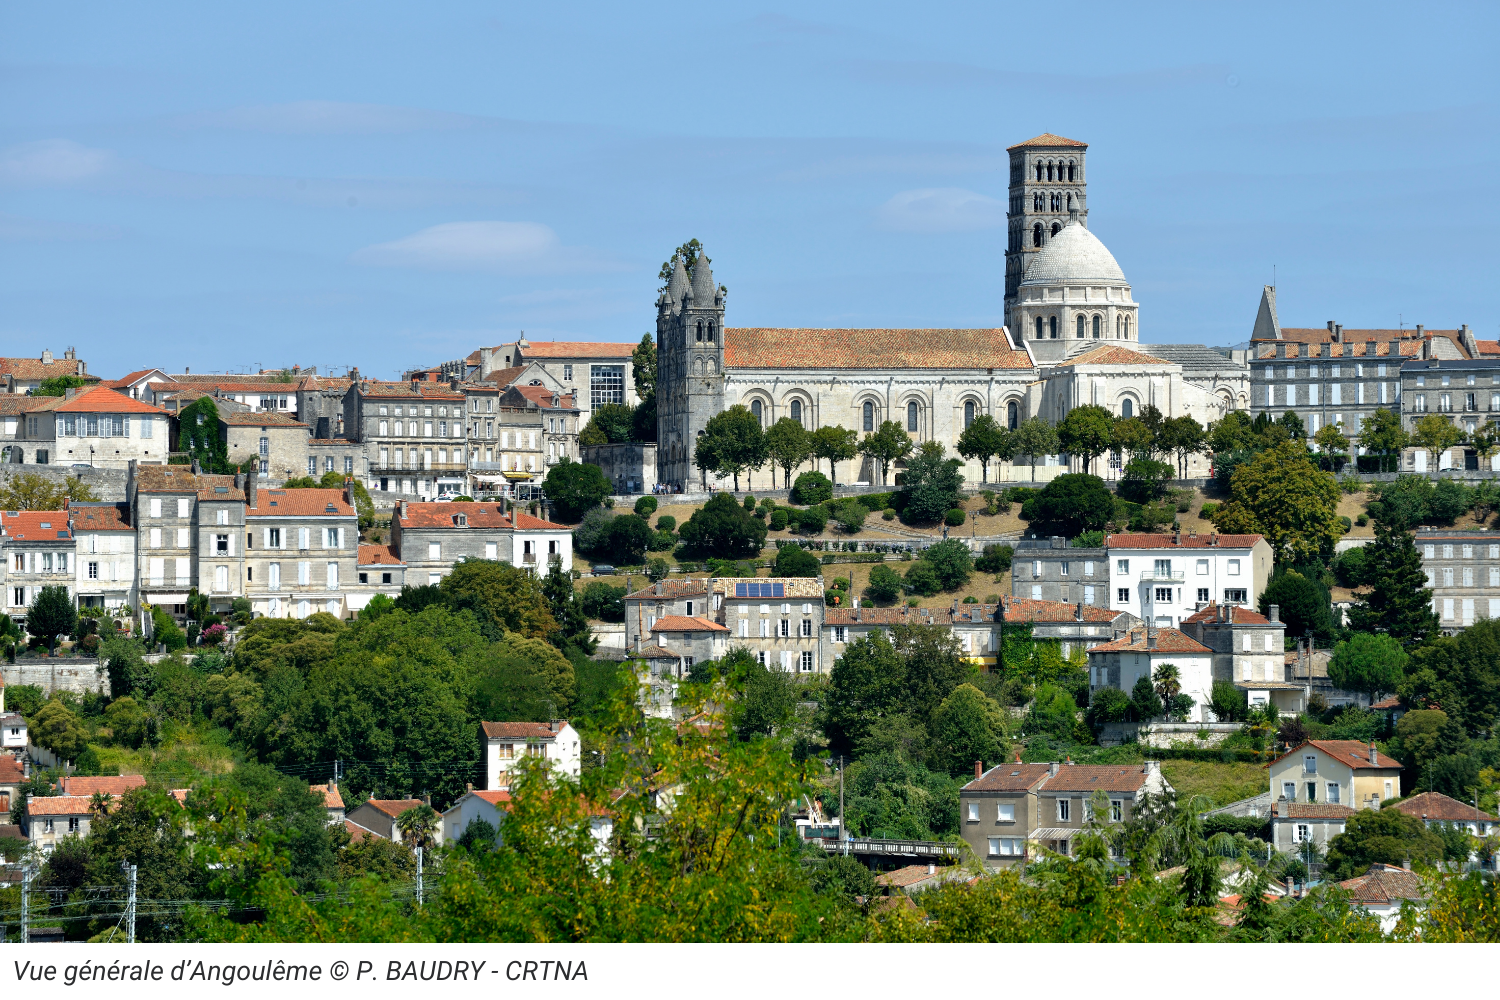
341,538
265,538
231,543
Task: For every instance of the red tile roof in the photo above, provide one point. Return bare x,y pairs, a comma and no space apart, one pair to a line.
248,419
58,805
1149,541
35,525
879,616
35,368
967,350
1168,640
11,772
1310,810
101,400
310,502
125,380
12,403
358,833
425,390
682,623
331,797
577,349
180,479
502,377
379,555
494,797
1008,778
1386,704
654,653
1112,356
108,784
393,807
691,587
100,516
1048,141
480,515
1488,348
1025,609
520,730
1351,753
1237,616
542,396
1384,885
1087,777
908,876
1437,806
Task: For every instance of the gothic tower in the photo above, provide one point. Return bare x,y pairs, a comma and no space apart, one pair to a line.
1047,180
690,363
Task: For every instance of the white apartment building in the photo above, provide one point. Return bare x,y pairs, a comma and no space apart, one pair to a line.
1164,579
104,562
505,743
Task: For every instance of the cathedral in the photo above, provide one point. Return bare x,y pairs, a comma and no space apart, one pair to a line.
1069,336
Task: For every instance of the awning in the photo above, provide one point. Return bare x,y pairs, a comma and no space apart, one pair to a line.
166,598
519,475
1055,833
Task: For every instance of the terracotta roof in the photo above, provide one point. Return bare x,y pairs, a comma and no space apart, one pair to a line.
1112,356
1008,778
1048,140
690,587
100,516
180,479
1237,616
331,797
525,522
248,419
1016,609
1437,806
577,349
393,807
1168,640
109,784
879,616
1025,609
11,772
1385,704
425,390
379,555
58,805
1384,885
12,403
542,396
969,350
35,525
1148,541
903,877
521,730
502,377
35,368
1087,777
655,653
1487,347
1352,753
480,515
1310,810
682,623
310,502
358,833
494,797
180,794
101,400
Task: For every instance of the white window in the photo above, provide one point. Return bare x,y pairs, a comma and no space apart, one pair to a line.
994,843
1429,551
784,629
491,550
158,571
183,538
1202,567
1088,568
1289,791
744,628
222,516
1333,793
1304,833
1063,809
304,573
333,576
154,538
434,550
1116,810
807,628
146,425
1036,592
1270,640
1468,576
1122,566
184,570
1310,763
1447,552
273,576
1234,567
1247,644
840,633
973,812
156,507
221,579
1005,812
1447,609
765,628
182,507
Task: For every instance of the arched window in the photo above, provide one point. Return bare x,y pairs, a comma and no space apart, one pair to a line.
1070,171
869,415
1036,202
1127,327
700,331
1056,228
968,412
1080,328
1119,326
1012,415
1049,171
756,410
1098,326
710,333
1036,235
1039,328
911,417
1052,327
1127,408
797,410
1038,171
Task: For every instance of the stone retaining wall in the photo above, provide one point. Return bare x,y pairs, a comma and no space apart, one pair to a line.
78,675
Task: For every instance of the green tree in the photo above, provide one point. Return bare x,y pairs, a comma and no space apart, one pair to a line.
1373,664
1132,436
812,488
835,444
567,610
788,445
922,579
628,540
1398,601
1228,702
603,602
724,529
523,680
1461,674
688,253
575,488
1381,434
503,598
1166,681
885,584
1486,442
933,484
198,435
983,439
1331,445
851,516
1034,438
794,560
1282,495
643,367
32,491
1380,836
1087,431
735,441
615,421
968,726
892,444
51,614
1233,432
417,825
1304,604
1435,434
864,687
951,562
1145,480
1073,503
59,385
1183,437
58,729
1144,700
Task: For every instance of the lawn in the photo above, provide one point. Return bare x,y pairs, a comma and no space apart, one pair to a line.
186,754
1222,783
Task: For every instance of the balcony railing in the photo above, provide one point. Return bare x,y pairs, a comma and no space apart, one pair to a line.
1164,575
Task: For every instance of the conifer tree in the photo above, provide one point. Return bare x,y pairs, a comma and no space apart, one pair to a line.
1399,602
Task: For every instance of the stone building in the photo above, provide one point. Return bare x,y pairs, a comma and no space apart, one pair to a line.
381,571
413,434
105,554
1164,579
301,550
1047,184
1249,651
27,436
1050,569
431,537
1465,392
100,427
276,441
1139,653
1463,570
38,549
779,619
1073,291
188,532
19,376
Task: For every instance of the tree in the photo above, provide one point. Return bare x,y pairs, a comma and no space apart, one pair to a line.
575,488
983,439
198,435
417,825
724,529
503,598
1184,437
31,491
1132,436
1145,701
1073,503
922,579
567,609
851,516
1280,494
603,602
951,562
688,253
812,488
1486,442
59,385
794,560
1331,444
643,367
51,614
1380,836
968,726
735,442
1436,433
609,423
58,729
788,445
1381,434
932,484
885,584
523,680
864,687
1228,702
628,539
891,444
1296,430
1034,438
1304,604
1087,431
1234,432
1166,681
1398,602
1145,480
1461,674
1373,664
835,444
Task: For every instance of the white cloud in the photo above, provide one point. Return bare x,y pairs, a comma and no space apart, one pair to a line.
52,161
511,247
941,210
327,118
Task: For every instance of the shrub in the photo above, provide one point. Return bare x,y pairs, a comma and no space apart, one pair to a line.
592,533
971,599
657,569
1208,511
955,517
1348,524
666,523
1349,568
885,584
749,502
812,520
1145,479
995,559
889,514
812,488
662,541
1362,520
724,529
778,519
851,516
922,579
628,539
89,644
646,506
1074,503
951,563
1089,540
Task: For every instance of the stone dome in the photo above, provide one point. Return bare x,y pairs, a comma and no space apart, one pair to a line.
1074,257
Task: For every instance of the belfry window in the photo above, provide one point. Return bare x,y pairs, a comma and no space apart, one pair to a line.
1056,228
1080,328
1098,326
755,410
1012,415
1070,171
797,410
700,331
869,416
911,417
1052,328
710,333
1039,328
1049,171
1036,235
1038,171
968,413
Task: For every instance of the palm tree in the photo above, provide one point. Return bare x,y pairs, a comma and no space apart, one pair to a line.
98,804
1168,682
416,825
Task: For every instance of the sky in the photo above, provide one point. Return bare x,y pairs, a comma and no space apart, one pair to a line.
231,187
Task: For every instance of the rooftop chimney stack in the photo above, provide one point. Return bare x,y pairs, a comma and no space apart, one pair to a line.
979,769
1276,613
1373,758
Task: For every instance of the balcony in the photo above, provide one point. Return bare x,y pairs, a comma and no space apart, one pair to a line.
1163,575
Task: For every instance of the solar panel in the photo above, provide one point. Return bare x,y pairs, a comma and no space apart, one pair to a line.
760,590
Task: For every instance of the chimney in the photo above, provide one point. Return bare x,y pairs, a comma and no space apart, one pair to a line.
955,606
416,387
1079,614
426,799
46,357
1276,613
1177,537
404,504
1373,758
1052,769
978,769
453,383
250,490
659,588
1069,760
468,786
239,480
1152,767
931,868
1151,640
1018,756
1330,328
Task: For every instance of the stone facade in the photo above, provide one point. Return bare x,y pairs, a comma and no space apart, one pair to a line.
431,537
1463,570
301,551
779,619
1465,392
1047,182
39,551
414,435
631,467
277,442
187,527
1049,569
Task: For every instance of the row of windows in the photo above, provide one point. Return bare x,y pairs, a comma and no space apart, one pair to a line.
97,425
1038,229
1466,576
1163,595
329,463
417,428
1430,551
411,411
1311,394
1328,371
1469,401
39,562
1056,201
1055,171
1082,326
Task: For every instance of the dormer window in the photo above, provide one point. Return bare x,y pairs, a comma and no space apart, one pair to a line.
461,520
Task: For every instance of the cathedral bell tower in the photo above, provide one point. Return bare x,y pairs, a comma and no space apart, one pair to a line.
690,363
1047,181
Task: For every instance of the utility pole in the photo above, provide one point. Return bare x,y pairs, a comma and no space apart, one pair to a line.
26,903
419,876
130,908
843,840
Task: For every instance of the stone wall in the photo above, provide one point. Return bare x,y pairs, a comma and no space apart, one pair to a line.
1168,734
630,467
52,675
108,484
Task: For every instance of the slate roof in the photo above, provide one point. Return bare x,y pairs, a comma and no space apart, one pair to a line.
1110,355
311,502
1194,358
1008,778
35,525
102,400
1384,885
577,349
1437,806
1168,640
1142,540
1049,141
682,623
968,350
1237,616
1088,777
1352,753
115,785
520,730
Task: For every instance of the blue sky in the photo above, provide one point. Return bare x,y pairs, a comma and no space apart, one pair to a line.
386,185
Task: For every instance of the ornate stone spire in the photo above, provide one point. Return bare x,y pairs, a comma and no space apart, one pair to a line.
703,283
